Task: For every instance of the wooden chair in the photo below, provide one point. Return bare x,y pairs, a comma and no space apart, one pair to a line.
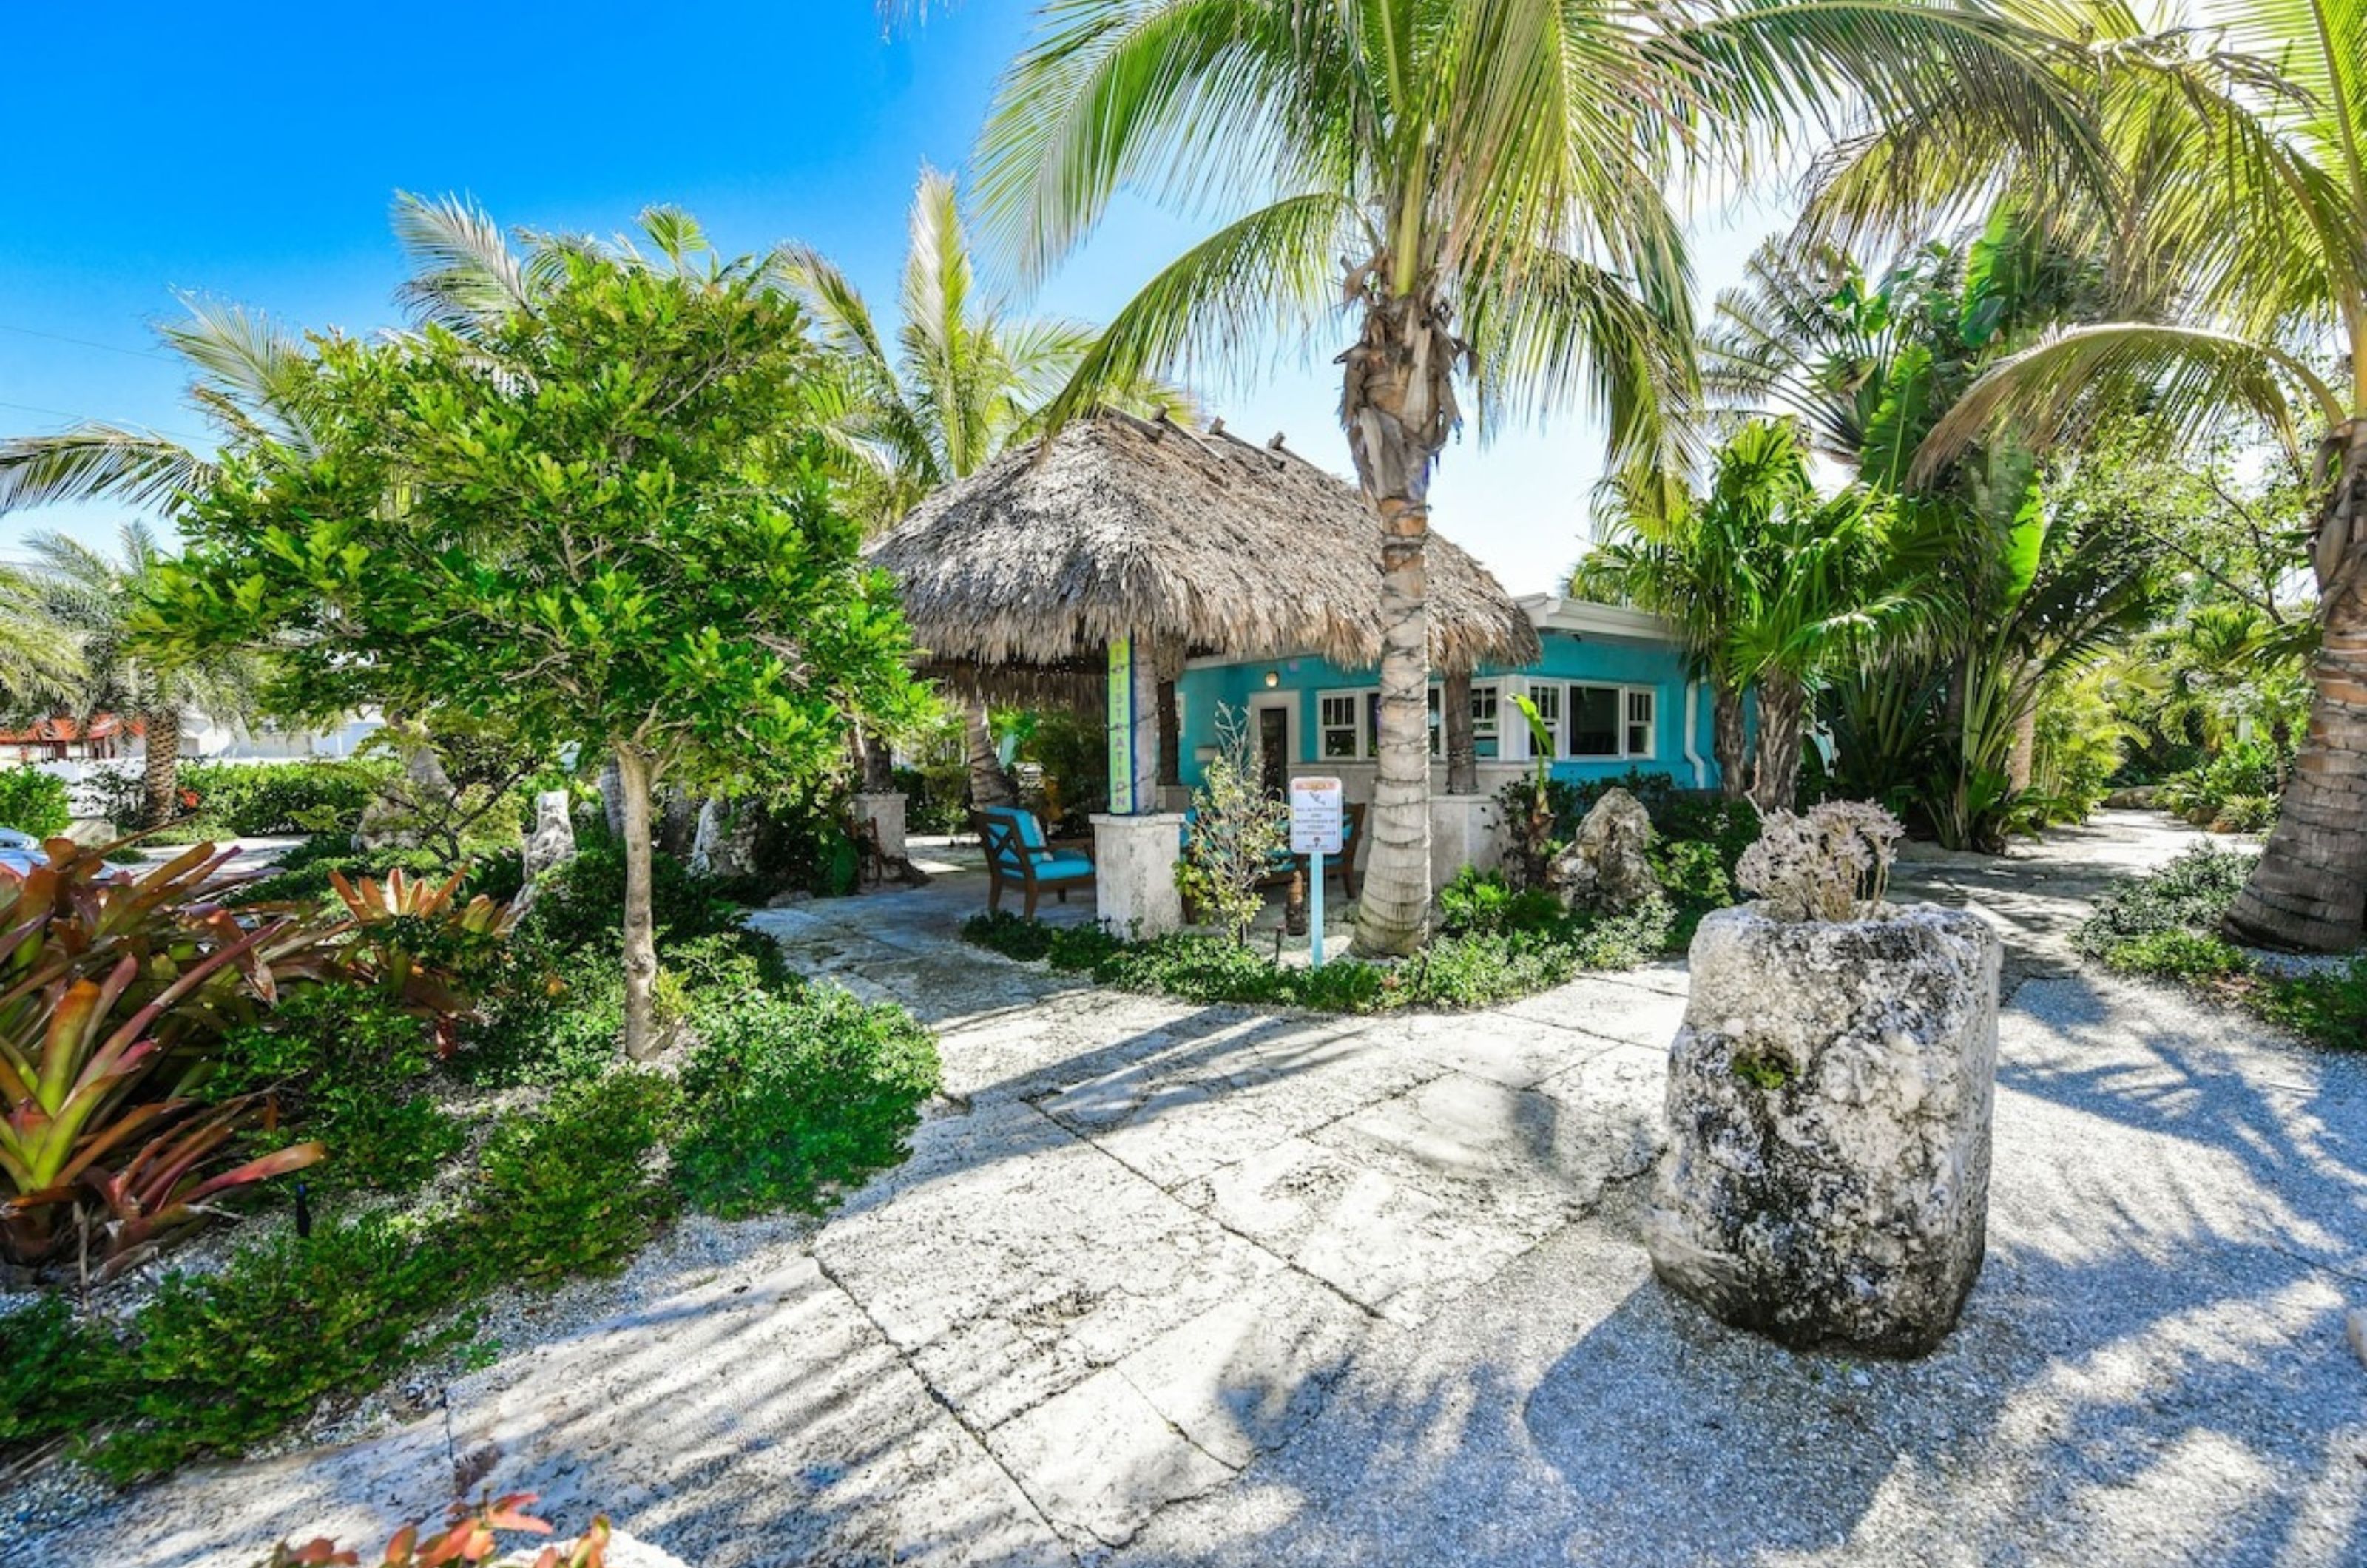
1017,856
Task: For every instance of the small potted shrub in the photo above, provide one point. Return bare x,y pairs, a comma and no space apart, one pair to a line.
1827,1178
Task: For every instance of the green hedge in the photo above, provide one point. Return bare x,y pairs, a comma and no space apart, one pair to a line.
33,802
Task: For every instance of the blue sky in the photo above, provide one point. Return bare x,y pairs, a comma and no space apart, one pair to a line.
248,151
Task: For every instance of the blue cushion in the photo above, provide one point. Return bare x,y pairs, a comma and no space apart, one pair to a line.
1062,863
1031,836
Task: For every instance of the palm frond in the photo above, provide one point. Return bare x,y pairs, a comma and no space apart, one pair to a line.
2188,378
463,271
98,461
1263,276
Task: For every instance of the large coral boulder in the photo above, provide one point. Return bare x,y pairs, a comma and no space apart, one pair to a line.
1828,1103
1604,867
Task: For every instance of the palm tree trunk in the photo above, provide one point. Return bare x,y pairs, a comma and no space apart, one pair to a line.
1397,402
161,777
988,785
641,935
2309,889
1782,719
1730,742
1462,743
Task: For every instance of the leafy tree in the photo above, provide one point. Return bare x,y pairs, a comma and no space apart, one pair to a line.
97,597
1481,183
600,519
2246,140
1775,589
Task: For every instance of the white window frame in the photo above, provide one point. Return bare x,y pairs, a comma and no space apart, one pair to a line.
1356,697
1627,695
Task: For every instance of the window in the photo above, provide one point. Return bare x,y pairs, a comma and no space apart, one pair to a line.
1547,702
1639,723
1593,729
1485,731
1603,721
1339,736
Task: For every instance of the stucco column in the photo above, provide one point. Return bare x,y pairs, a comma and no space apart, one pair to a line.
1463,831
1134,873
885,812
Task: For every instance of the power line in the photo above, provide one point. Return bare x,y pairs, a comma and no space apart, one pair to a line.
86,343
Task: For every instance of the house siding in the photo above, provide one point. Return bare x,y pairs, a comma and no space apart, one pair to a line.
1301,681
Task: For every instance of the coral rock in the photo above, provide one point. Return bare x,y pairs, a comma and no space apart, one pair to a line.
1829,1102
1604,867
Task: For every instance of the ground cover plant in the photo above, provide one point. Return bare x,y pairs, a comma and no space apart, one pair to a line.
457,1149
2166,926
1494,944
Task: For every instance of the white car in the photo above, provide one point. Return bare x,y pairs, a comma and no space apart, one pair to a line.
20,852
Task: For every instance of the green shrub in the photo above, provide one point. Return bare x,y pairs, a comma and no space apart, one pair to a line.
33,802
580,907
350,1068
2192,892
1478,900
1475,968
221,1362
567,1189
787,1099
2177,954
321,795
55,1372
2245,814
2329,1008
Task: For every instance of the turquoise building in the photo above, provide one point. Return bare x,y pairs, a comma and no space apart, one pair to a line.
1611,686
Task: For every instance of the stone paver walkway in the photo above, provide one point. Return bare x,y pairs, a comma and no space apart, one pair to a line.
1173,1284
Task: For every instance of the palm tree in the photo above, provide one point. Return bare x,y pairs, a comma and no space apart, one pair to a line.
2253,237
1481,182
1868,364
963,379
40,665
94,596
1775,587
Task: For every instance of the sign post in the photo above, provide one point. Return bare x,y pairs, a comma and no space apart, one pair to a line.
1121,729
1316,812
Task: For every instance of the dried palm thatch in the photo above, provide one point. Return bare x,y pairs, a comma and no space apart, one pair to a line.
1124,527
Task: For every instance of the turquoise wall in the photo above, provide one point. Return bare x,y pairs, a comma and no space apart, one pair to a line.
1202,690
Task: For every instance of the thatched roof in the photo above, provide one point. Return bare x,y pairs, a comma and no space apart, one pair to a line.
1193,538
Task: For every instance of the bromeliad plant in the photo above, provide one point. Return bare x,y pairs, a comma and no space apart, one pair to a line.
415,938
113,989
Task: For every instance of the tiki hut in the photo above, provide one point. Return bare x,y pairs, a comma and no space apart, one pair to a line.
1185,542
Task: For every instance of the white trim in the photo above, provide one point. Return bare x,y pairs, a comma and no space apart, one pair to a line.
1621,691
1288,703
1693,728
1552,613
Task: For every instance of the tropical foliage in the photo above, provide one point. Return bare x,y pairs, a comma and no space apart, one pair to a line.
599,518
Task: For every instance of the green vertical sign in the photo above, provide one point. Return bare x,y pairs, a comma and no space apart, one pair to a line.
1121,728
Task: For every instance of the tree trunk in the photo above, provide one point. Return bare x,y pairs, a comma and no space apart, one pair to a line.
1462,743
161,776
2309,889
878,764
1397,401
612,798
988,785
640,937
1730,739
2021,761
1170,739
1782,719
